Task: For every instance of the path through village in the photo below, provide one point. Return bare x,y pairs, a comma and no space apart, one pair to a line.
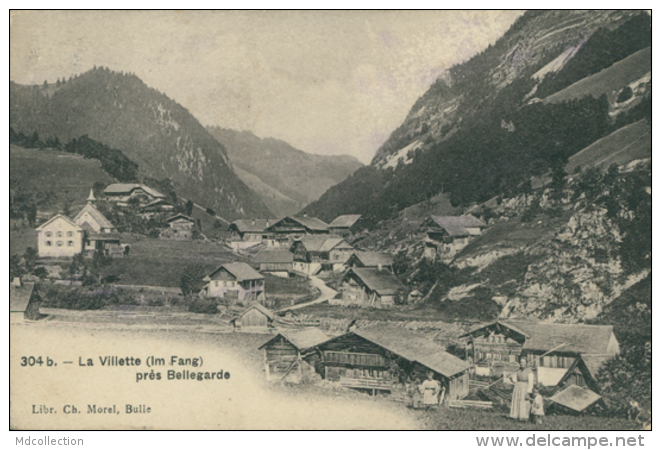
326,294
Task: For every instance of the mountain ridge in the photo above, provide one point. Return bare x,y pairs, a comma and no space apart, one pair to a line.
286,177
160,135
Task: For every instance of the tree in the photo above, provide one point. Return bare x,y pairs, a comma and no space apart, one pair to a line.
16,268
189,207
30,258
97,265
41,272
68,202
191,279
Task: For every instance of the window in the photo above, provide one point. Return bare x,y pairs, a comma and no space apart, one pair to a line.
70,243
69,233
216,283
59,243
49,243
59,234
49,234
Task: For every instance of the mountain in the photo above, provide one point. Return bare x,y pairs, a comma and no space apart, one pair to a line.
285,178
158,134
553,84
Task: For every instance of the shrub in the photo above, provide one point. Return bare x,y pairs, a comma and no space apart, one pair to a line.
203,306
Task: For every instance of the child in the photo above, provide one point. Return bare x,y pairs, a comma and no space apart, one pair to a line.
537,408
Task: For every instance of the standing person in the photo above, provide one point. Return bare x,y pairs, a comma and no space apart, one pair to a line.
409,392
537,408
430,389
523,383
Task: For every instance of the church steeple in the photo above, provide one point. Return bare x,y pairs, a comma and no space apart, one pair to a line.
91,199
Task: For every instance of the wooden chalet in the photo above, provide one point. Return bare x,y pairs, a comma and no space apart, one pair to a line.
23,302
369,288
234,282
375,359
278,262
374,260
255,318
122,193
313,254
583,372
248,232
345,225
578,390
551,348
290,227
285,353
446,235
157,206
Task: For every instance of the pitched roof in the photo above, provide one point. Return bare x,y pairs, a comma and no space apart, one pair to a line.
240,270
345,221
180,216
321,243
126,188
594,363
274,256
591,339
414,347
259,307
374,259
311,222
19,297
253,225
302,339
58,216
380,281
96,215
458,225
575,397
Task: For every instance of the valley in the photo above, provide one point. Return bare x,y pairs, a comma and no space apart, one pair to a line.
508,217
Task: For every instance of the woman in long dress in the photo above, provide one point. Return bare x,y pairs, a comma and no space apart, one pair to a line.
523,383
430,389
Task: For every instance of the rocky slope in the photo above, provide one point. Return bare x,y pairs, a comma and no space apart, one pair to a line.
521,107
160,135
286,178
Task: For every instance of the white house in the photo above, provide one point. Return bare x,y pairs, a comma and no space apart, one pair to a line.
59,237
235,281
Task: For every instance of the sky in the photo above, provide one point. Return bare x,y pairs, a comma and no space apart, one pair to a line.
327,82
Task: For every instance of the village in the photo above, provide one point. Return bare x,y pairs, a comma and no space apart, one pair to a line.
266,277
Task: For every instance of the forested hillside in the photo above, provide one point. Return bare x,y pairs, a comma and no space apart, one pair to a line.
119,111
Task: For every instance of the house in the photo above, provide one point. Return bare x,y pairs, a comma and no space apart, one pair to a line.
180,227
285,230
100,233
368,287
447,235
157,206
23,302
59,237
375,260
255,318
376,358
249,232
550,348
234,282
345,225
123,193
278,262
285,354
583,372
315,253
